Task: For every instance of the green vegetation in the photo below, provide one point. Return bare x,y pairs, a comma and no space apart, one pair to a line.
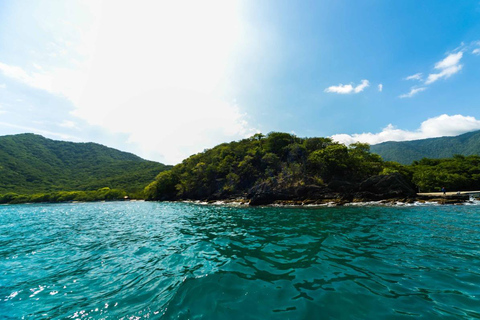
36,169
406,152
455,174
284,161
31,164
103,194
278,159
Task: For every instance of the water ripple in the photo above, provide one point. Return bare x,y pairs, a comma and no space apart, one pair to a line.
176,260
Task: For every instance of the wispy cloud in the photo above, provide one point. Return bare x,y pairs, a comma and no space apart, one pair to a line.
362,86
3,86
448,67
36,80
67,124
46,133
412,92
416,76
60,81
443,125
348,88
451,60
380,87
476,51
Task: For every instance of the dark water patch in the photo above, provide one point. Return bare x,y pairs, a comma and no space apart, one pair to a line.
175,260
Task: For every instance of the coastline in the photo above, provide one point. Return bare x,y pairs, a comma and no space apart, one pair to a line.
338,202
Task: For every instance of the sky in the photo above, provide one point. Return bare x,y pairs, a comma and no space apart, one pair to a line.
166,80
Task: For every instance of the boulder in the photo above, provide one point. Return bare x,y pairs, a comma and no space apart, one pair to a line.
262,194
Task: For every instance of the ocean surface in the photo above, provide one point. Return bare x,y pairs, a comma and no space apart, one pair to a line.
149,260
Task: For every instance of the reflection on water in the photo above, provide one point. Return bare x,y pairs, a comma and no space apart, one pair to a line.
177,260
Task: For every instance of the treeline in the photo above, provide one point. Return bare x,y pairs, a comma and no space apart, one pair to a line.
103,194
282,160
278,159
275,162
455,174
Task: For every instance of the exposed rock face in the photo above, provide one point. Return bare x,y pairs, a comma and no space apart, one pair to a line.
375,188
264,194
385,187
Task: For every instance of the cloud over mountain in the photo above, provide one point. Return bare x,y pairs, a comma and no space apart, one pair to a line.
443,125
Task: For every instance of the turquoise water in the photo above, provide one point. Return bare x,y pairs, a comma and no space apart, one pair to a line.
175,260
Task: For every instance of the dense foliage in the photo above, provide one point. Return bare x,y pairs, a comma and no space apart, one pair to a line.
31,164
279,159
456,173
406,152
103,194
36,169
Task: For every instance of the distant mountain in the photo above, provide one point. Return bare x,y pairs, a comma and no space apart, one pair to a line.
30,163
405,152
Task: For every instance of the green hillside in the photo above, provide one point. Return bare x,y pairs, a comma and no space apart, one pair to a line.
281,166
30,164
279,162
406,152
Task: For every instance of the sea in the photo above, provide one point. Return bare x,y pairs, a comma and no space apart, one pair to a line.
162,260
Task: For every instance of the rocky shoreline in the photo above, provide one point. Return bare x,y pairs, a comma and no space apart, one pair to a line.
382,189
334,202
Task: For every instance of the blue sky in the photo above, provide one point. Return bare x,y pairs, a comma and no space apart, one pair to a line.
167,80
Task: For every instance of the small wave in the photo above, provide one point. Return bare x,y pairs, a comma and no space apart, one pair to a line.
114,260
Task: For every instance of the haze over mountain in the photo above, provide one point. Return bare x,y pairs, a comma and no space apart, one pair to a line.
405,152
30,163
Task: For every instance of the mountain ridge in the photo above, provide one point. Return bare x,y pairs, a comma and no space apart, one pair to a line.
31,163
405,152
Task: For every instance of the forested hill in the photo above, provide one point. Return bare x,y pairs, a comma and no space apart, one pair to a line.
30,163
406,152
279,166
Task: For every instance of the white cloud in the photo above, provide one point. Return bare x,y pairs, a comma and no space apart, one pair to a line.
451,60
160,79
443,125
60,81
46,133
35,79
362,86
446,73
380,87
3,86
67,124
416,76
348,88
412,92
341,89
448,67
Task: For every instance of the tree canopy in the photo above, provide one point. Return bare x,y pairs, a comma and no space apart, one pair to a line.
456,173
231,169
